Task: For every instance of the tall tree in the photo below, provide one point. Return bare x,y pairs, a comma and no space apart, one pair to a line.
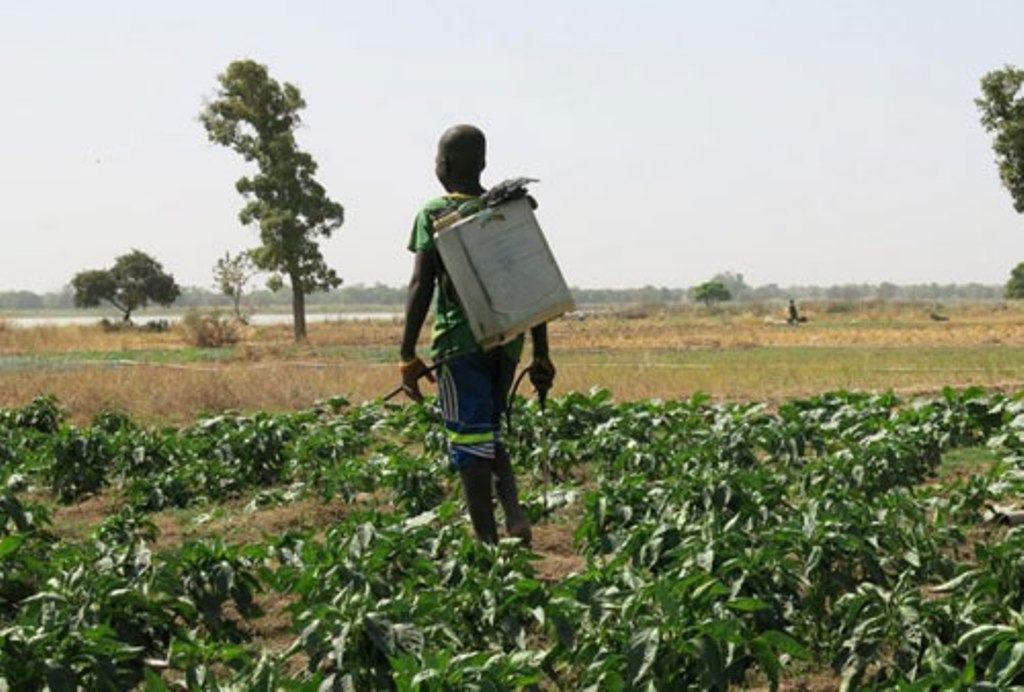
1002,114
257,117
135,280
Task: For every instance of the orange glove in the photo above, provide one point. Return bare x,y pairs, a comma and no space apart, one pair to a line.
412,371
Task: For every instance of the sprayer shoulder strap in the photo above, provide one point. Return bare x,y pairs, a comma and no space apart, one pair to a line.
451,204
444,282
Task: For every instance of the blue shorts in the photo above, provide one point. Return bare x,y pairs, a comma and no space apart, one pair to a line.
473,393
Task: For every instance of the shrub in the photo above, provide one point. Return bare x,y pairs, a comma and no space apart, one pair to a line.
210,329
113,326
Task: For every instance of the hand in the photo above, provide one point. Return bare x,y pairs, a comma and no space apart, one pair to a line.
542,375
412,371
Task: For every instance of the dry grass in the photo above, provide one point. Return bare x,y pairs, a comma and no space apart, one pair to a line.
175,394
76,338
93,338
737,354
871,326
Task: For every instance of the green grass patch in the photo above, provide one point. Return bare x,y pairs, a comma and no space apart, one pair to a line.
163,355
368,354
761,372
964,461
46,361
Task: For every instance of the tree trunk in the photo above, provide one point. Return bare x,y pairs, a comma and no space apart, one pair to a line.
298,310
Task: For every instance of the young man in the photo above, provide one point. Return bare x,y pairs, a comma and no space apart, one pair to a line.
473,385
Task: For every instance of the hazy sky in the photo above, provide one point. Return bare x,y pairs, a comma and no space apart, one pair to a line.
792,141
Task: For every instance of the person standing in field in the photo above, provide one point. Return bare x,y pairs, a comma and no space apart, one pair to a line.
473,385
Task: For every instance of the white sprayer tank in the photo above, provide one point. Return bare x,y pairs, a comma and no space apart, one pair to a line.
503,272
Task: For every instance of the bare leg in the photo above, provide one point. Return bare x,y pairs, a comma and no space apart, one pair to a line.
517,523
476,487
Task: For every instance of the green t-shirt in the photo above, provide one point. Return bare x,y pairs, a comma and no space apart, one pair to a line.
452,335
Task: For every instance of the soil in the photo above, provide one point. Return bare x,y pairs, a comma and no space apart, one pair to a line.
558,558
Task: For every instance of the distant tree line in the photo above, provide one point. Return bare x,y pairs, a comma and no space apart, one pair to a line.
382,296
739,291
377,295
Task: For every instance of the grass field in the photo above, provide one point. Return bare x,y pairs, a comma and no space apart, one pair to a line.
737,353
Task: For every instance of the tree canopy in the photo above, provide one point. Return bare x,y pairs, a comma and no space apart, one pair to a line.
257,117
734,284
1002,114
710,292
1015,286
135,280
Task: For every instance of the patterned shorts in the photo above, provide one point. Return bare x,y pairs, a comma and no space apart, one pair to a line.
473,393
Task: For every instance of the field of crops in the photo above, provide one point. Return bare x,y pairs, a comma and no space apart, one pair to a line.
695,545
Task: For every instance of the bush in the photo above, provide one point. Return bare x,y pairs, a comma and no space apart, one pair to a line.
210,329
112,326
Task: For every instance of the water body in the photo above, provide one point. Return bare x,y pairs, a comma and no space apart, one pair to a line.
257,319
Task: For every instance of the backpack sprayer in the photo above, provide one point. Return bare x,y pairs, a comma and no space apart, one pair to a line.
499,263
502,269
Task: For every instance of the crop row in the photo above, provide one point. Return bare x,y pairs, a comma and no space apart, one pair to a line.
724,544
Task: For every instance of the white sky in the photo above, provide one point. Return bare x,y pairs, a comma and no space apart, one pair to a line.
792,141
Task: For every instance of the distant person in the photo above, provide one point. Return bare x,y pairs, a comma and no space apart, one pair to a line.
794,316
473,385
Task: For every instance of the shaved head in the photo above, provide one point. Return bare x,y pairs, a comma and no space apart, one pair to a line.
461,157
